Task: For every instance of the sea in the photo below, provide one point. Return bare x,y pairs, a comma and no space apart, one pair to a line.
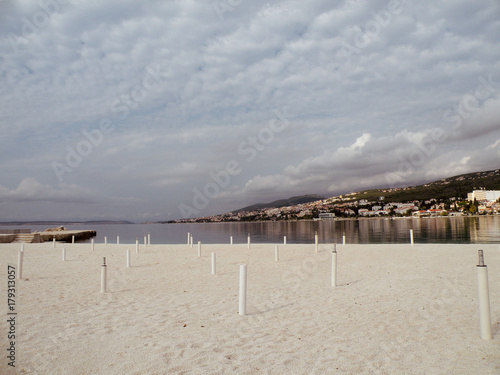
451,230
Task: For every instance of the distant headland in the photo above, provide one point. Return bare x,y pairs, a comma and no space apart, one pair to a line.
64,222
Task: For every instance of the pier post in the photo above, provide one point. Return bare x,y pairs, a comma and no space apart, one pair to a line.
316,241
145,241
484,298
249,240
92,244
73,239
343,239
231,240
136,245
117,240
20,258
199,249
191,241
54,241
128,258
104,275
149,239
243,290
105,240
334,266
284,240
411,237
189,237
22,247
213,263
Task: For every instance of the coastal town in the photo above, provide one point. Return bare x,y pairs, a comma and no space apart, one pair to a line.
478,202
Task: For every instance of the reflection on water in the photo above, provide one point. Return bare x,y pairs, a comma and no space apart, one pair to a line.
485,229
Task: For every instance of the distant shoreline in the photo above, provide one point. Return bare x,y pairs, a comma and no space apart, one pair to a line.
59,223
336,219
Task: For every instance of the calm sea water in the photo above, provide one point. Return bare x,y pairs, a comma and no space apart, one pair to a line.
485,229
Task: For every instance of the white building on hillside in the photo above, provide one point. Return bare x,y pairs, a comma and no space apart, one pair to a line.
327,216
484,195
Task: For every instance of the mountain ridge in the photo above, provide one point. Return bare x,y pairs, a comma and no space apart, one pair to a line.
292,201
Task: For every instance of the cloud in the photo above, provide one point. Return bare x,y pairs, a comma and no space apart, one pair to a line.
403,159
482,118
355,119
30,190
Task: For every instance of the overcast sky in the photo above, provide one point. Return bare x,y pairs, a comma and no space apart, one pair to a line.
157,110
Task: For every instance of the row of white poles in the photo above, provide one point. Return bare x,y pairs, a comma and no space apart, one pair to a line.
147,240
316,240
482,272
190,240
146,243
482,280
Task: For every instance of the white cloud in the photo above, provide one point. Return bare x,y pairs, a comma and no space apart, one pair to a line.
403,159
30,190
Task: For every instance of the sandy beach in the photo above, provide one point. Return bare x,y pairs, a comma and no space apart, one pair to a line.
396,309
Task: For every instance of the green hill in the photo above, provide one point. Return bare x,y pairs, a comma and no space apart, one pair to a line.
457,186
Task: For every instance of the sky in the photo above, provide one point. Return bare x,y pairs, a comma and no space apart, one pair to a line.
160,110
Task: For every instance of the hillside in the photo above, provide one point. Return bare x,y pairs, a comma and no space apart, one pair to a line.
457,186
309,206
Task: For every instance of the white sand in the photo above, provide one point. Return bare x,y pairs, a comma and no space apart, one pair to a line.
397,310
